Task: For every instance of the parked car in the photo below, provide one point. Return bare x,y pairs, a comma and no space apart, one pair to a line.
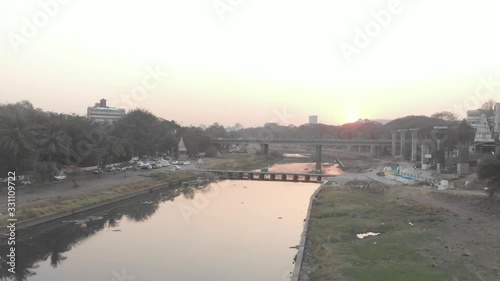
175,163
97,171
186,163
60,177
177,167
147,167
157,166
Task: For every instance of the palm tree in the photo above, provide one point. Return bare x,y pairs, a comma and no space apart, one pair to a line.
53,140
15,136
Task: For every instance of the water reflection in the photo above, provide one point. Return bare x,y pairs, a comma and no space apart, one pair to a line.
50,242
233,233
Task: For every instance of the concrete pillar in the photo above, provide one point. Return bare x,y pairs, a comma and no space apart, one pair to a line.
360,148
373,150
414,144
425,149
349,147
440,155
402,145
264,148
318,157
394,137
463,167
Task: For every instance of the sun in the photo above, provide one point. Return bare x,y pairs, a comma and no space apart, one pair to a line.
351,118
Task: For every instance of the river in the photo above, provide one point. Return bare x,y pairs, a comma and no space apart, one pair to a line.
229,230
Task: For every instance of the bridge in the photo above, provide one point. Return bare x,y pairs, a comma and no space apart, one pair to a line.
270,176
376,147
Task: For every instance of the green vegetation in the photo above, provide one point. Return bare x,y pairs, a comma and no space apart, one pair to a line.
489,170
397,254
42,143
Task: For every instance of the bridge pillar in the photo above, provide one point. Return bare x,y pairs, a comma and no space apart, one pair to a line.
349,147
264,148
360,148
318,157
373,150
414,144
394,136
402,145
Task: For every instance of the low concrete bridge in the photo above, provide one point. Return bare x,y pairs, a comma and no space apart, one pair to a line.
270,176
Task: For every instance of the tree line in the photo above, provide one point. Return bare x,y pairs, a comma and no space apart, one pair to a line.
40,142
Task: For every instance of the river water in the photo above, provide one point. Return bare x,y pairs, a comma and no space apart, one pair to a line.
230,230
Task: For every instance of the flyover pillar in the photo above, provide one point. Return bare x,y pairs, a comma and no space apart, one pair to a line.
318,157
402,145
373,150
393,149
264,148
414,144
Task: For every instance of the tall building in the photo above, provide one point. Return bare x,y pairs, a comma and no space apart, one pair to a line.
102,113
313,119
497,118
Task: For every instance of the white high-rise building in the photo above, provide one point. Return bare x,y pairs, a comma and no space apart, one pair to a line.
102,113
313,119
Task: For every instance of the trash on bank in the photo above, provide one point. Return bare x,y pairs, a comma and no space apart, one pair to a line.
363,235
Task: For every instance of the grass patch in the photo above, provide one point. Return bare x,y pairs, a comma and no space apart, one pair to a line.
339,215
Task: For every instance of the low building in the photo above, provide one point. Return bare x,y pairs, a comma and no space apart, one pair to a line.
102,113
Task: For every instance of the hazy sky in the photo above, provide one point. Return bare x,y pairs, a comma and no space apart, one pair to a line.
252,61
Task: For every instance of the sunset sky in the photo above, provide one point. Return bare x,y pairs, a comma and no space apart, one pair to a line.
255,61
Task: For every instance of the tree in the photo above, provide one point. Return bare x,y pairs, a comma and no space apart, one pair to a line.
489,170
15,136
445,115
489,105
53,140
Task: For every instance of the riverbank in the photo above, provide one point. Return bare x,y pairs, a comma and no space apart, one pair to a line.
41,204
424,234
